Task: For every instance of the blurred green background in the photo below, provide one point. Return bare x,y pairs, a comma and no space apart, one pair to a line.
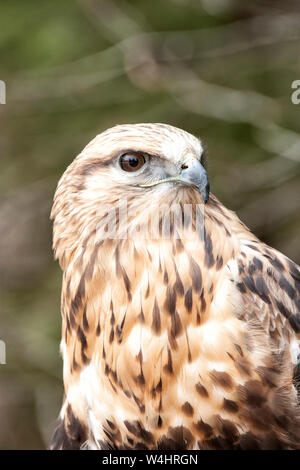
221,69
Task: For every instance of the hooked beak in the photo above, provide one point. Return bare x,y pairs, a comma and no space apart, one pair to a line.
195,175
192,174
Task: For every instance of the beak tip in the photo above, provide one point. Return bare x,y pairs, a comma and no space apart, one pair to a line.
205,193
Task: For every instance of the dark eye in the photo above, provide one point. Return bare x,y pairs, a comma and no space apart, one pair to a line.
132,161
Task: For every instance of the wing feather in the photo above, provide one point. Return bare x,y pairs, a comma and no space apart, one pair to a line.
270,286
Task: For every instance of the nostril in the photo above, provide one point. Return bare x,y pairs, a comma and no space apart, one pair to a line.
184,167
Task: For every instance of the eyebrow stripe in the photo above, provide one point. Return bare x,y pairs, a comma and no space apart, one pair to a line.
89,167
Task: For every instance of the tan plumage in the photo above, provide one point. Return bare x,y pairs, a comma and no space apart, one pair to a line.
180,342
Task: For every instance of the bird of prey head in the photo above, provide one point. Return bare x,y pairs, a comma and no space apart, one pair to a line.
147,155
181,342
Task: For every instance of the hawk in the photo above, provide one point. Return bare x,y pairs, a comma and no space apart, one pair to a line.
173,336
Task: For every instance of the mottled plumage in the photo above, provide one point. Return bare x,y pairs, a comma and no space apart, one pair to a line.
181,342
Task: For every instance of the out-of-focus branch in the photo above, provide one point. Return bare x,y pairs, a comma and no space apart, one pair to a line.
279,206
138,46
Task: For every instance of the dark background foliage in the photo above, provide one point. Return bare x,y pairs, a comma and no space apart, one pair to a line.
221,69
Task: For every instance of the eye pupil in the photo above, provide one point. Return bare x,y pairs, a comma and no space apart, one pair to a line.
132,161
